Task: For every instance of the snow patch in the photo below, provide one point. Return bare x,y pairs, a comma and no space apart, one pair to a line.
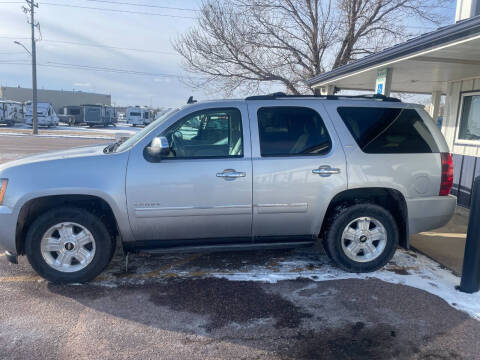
86,136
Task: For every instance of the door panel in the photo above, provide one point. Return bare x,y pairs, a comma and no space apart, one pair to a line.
184,199
192,198
291,193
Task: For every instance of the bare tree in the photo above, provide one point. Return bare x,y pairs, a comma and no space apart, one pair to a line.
249,45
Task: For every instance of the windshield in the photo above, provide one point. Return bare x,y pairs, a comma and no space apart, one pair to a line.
141,134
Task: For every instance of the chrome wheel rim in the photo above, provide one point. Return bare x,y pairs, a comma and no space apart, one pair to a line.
364,239
68,247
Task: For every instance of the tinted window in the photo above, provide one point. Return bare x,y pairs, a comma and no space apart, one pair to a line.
388,131
292,131
209,133
470,118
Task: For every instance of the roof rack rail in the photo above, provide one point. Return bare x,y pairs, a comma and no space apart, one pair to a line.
280,95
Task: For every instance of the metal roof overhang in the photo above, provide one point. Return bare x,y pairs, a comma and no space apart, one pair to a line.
421,65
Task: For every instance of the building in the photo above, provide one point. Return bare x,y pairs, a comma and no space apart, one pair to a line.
445,62
58,98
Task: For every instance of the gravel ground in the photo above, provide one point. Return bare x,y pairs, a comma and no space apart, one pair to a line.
211,318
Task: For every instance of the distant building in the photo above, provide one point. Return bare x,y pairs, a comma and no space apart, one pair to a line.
58,98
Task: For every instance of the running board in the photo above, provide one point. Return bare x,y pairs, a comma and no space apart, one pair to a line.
228,247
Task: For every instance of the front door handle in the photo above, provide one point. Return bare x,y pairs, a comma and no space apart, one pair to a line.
230,174
325,171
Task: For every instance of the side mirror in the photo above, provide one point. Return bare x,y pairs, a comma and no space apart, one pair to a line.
159,147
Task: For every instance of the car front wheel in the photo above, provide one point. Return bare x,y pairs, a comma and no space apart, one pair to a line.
68,245
361,238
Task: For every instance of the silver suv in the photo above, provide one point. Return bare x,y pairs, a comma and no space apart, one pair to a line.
358,174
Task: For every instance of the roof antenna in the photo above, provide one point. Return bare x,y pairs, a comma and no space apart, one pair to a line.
191,101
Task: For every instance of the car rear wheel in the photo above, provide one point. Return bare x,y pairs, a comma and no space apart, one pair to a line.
68,245
361,238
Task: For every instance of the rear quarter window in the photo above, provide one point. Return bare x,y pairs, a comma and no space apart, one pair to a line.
388,130
292,131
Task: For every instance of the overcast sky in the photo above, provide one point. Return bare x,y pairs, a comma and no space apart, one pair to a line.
150,34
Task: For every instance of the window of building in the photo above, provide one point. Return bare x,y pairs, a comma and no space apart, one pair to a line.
469,126
207,133
289,131
388,130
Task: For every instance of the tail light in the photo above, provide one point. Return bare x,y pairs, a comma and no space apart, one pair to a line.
447,174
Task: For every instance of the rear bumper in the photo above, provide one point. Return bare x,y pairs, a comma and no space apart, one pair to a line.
430,212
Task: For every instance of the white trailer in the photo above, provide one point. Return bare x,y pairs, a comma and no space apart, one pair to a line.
46,115
10,112
139,115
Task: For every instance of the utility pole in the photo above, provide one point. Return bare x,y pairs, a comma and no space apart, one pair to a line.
31,9
34,68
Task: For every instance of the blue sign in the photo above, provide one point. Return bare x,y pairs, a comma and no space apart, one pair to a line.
380,88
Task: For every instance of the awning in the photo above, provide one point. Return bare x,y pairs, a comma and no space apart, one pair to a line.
421,65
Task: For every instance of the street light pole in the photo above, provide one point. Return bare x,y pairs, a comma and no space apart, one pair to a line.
34,70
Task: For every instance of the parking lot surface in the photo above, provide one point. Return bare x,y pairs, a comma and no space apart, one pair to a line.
239,305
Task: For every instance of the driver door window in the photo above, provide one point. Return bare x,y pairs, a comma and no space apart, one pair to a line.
212,133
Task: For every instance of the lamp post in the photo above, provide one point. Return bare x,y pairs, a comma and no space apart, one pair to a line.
34,85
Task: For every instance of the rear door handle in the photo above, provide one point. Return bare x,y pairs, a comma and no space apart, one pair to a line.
325,171
231,174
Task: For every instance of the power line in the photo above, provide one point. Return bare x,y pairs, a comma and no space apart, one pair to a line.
13,60
109,47
91,68
93,45
118,10
14,37
101,68
142,5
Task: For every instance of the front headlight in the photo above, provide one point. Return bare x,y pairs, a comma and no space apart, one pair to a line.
3,188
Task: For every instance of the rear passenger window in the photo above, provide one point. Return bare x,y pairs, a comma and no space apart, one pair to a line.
388,131
289,131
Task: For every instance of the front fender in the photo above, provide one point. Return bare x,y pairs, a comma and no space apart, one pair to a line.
98,175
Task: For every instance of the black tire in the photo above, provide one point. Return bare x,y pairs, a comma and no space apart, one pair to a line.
342,218
103,242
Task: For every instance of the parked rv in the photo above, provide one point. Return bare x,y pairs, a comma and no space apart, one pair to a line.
111,114
121,117
10,112
139,115
45,113
71,115
98,115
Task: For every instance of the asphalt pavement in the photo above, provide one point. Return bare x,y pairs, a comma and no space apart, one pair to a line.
182,307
